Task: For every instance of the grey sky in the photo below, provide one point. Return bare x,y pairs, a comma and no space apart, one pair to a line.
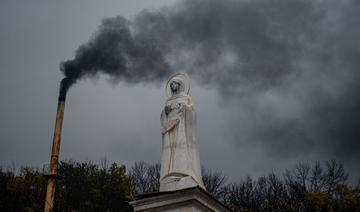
239,134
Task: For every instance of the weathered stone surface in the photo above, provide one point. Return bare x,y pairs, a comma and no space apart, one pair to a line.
180,164
193,199
181,186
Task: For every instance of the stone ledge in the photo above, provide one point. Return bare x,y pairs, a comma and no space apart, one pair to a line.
189,199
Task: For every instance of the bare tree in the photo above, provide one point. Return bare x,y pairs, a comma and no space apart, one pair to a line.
301,174
214,182
317,178
334,174
145,178
295,191
239,196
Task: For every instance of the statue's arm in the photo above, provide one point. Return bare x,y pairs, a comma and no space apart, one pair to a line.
165,124
169,126
163,118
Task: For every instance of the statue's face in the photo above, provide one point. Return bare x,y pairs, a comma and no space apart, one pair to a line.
175,86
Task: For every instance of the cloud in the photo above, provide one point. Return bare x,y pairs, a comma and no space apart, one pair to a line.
287,70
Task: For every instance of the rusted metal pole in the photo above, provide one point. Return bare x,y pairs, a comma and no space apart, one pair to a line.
50,192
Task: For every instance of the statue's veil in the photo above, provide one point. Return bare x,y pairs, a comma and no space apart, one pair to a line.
184,81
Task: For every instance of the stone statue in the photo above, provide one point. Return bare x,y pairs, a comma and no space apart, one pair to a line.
180,164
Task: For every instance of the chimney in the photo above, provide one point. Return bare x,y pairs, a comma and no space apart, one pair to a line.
50,192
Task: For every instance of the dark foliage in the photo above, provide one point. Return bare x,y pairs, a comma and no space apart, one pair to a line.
22,192
80,187
87,187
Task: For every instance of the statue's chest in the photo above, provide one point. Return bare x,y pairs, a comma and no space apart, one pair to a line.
174,110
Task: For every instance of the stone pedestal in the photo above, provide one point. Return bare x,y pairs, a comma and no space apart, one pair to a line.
193,199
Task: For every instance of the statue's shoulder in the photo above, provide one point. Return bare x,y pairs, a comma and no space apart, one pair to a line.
187,100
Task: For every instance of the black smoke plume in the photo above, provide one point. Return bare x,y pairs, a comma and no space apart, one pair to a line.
115,51
289,69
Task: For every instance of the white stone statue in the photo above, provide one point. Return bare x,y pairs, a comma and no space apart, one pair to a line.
180,163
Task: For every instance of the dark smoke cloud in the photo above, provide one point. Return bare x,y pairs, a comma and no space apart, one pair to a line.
287,69
115,51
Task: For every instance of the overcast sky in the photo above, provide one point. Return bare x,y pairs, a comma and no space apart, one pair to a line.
250,122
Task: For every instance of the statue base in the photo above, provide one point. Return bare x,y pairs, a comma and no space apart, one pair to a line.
189,199
172,183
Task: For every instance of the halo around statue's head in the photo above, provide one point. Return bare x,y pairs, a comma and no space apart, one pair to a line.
181,78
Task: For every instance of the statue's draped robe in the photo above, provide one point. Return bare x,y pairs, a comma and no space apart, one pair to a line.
180,165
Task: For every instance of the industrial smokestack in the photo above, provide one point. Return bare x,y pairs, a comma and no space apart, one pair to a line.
50,192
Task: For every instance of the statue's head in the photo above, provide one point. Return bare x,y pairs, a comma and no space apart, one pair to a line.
178,85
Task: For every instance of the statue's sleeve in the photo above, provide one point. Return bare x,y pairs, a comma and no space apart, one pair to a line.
163,118
190,118
165,124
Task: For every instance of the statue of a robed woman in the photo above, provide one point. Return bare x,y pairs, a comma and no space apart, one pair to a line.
180,164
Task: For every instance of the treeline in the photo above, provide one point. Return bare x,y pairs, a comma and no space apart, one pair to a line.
80,187
109,187
305,188
317,187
